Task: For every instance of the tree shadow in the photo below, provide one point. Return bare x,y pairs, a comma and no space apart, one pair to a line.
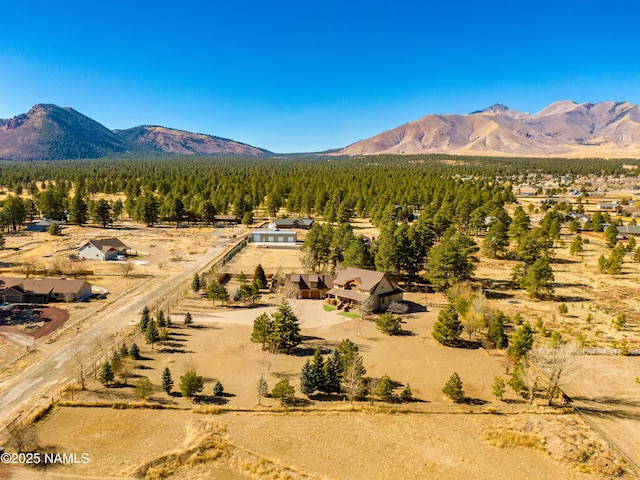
210,400
474,401
406,333
174,350
571,299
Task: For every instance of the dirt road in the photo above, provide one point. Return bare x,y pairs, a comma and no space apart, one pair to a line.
58,365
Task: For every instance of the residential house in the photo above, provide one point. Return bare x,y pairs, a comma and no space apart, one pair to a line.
311,285
302,223
42,225
34,290
102,249
627,231
609,207
357,286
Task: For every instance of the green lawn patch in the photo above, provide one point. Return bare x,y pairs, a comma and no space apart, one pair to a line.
350,315
328,308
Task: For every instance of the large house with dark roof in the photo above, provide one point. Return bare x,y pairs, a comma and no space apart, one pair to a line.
102,249
311,285
357,286
33,290
303,223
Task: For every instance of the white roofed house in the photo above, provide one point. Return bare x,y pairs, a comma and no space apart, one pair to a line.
358,286
102,249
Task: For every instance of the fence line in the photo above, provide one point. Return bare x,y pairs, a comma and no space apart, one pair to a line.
630,461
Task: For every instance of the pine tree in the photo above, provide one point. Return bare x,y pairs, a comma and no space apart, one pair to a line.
537,280
406,395
308,383
151,335
167,381
448,327
317,370
195,282
495,332
453,389
332,373
145,316
521,342
134,351
259,277
218,389
161,321
106,374
611,235
384,389
286,330
576,247
124,350
496,240
188,319
262,330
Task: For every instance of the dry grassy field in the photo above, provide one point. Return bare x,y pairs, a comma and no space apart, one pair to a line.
238,438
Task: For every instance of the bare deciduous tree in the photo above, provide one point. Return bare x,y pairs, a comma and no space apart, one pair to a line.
554,365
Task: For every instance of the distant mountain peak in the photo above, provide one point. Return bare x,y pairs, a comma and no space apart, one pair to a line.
495,108
562,129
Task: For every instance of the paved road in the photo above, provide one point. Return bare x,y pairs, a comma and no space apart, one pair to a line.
58,365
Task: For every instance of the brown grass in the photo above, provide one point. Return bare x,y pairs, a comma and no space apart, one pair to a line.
510,438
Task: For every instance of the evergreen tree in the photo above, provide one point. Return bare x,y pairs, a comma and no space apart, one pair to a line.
308,383
453,389
389,323
54,229
78,209
596,222
102,213
195,282
448,327
611,235
384,389
495,332
406,395
218,389
134,351
151,335
576,247
167,381
332,373
262,330
145,317
451,262
161,322
317,370
286,330
259,277
188,319
521,341
106,374
124,350
496,240
537,280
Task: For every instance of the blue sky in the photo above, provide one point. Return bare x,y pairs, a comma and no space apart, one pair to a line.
295,76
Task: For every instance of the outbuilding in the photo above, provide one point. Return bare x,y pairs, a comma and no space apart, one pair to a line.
287,237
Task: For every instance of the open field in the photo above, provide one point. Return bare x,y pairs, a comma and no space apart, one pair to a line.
257,442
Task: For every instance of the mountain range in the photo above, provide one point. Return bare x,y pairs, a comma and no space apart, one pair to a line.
563,129
49,132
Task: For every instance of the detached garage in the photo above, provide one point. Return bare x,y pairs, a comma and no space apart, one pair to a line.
274,236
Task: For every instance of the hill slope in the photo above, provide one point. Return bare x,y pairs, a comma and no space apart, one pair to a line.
49,132
607,129
179,142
